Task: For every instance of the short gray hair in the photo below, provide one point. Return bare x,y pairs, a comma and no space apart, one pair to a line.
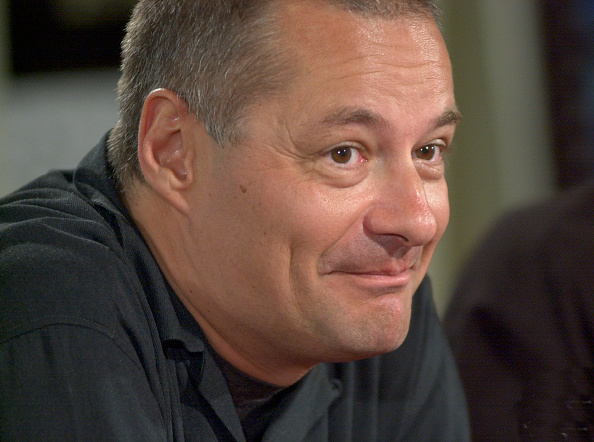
217,55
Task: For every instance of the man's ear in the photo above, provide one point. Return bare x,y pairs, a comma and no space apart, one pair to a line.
165,151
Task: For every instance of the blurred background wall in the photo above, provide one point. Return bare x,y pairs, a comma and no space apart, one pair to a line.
522,68
57,88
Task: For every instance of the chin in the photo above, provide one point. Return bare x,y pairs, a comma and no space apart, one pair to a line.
363,347
388,345
363,330
386,331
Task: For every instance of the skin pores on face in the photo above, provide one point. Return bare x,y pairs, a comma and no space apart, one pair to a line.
307,240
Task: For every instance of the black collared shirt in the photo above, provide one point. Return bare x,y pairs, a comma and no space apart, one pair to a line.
94,345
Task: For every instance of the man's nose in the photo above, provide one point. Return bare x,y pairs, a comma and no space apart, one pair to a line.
402,209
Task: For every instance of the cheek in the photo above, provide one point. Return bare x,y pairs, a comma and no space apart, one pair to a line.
304,211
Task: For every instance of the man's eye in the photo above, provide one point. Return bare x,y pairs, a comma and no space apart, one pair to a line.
345,155
430,152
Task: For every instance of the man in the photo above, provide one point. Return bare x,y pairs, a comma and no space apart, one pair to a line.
238,259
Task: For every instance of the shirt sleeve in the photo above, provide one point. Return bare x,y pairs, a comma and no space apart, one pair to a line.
74,382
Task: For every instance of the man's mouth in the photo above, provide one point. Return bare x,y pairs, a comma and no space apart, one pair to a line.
392,275
372,269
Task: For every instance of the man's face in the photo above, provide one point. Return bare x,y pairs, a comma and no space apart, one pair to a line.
312,234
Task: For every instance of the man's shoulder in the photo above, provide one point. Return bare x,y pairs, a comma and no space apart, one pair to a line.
50,220
60,259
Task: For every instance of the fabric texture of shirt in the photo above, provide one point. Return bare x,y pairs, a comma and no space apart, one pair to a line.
94,344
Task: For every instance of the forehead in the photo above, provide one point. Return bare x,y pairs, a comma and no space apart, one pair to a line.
346,60
315,27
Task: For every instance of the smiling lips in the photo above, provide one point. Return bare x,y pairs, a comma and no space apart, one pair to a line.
390,274
387,278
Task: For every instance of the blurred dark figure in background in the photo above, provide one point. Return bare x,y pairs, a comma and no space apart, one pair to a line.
521,323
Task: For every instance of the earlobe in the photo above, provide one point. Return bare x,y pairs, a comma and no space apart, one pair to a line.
165,154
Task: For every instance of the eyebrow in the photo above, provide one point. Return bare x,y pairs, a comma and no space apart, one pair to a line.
346,116
451,117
